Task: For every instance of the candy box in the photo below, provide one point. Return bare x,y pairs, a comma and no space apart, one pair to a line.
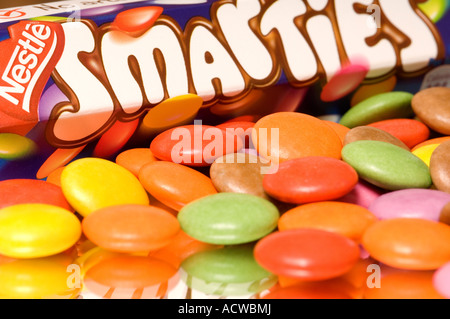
74,70
94,78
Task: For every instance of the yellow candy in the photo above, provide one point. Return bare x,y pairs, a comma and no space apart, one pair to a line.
434,9
172,112
93,183
37,230
37,278
14,146
424,152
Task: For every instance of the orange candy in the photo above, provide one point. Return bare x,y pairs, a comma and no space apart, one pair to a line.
173,184
311,291
401,284
133,159
172,112
437,140
55,176
131,277
300,135
130,228
349,220
181,247
339,129
59,158
409,243
411,132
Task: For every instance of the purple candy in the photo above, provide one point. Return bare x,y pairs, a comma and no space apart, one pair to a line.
410,203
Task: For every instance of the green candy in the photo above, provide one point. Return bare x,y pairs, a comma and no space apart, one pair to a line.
379,107
228,271
386,165
14,146
228,218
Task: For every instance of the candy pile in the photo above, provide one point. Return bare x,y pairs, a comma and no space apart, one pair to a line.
286,206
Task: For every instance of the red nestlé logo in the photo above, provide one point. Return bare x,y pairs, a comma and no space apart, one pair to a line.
26,63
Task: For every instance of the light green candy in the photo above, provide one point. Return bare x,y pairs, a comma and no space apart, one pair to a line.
386,165
14,146
228,218
434,9
379,107
229,271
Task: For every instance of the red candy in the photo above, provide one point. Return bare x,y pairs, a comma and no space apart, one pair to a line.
345,81
310,179
24,191
242,129
308,254
115,138
411,132
137,20
194,145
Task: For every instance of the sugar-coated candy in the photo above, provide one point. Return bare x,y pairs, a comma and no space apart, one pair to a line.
175,111
409,131
386,165
37,230
425,152
27,191
227,271
431,107
130,228
93,183
440,167
37,278
444,217
339,129
409,243
58,159
346,219
310,179
194,145
410,203
288,135
15,146
363,194
228,218
113,140
239,173
173,184
441,280
309,254
130,277
308,292
403,284
367,133
133,159
371,89
380,107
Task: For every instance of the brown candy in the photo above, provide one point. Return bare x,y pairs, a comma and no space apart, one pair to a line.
238,173
373,134
432,106
440,167
445,214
